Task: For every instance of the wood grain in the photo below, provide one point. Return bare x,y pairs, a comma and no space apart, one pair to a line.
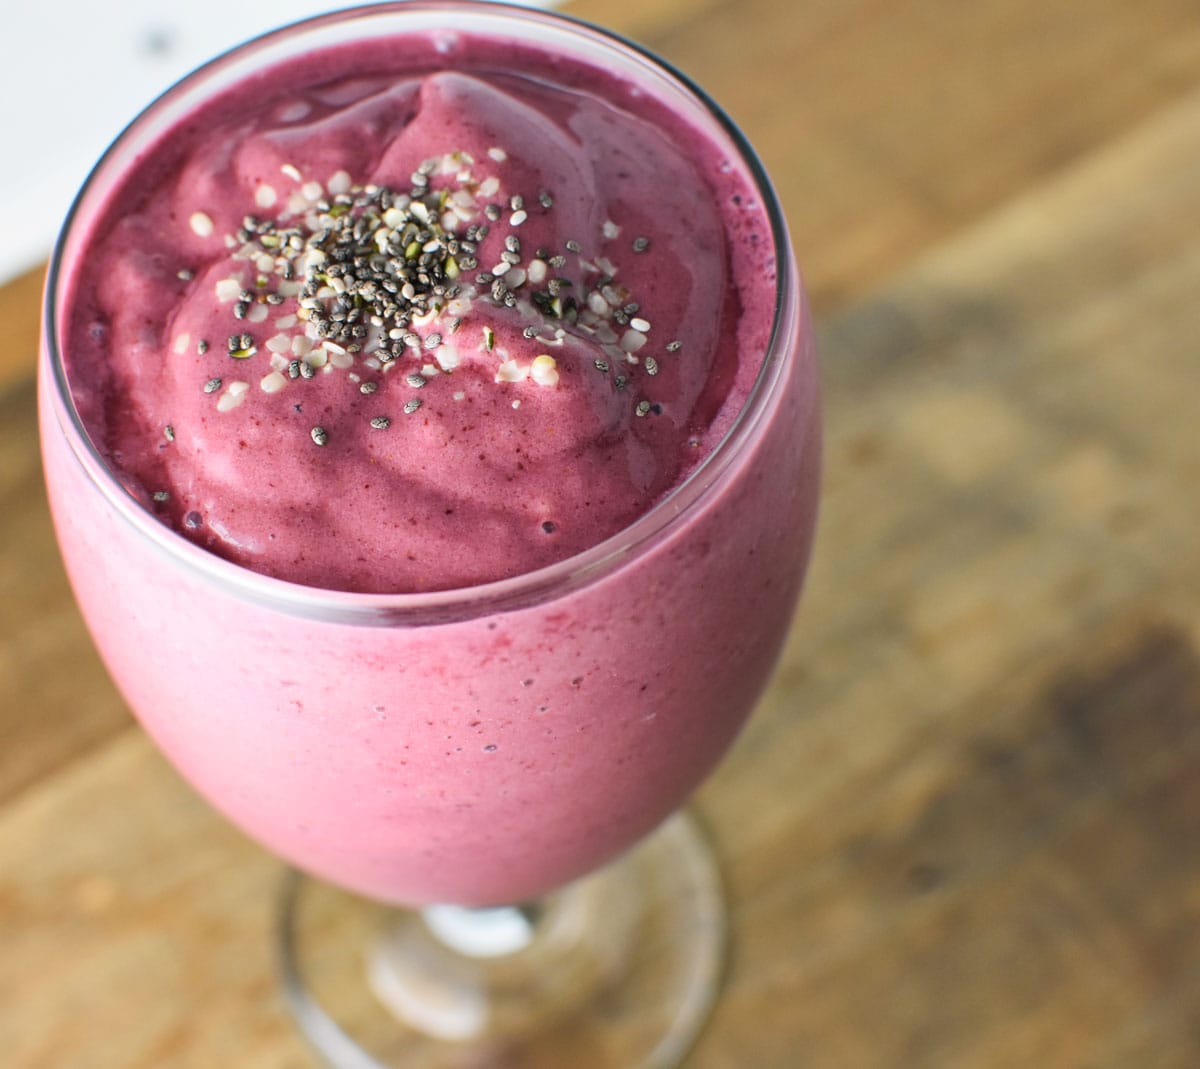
19,300
964,829
986,724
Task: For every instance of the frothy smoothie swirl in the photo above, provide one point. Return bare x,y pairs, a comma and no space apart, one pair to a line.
405,334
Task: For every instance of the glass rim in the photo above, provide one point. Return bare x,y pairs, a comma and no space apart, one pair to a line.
429,607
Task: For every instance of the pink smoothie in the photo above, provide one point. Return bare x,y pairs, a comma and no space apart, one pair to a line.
429,322
446,455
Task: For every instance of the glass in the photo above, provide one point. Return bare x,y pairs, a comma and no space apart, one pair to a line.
509,885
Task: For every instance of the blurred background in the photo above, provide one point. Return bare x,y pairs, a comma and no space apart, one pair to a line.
964,828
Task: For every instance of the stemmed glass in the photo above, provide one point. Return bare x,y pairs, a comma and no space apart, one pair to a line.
479,783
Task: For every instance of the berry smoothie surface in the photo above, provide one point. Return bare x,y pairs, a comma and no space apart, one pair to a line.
396,319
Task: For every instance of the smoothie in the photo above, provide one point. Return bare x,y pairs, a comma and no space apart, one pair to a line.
431,427
419,323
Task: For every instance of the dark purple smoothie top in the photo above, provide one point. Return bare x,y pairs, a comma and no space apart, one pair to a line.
395,318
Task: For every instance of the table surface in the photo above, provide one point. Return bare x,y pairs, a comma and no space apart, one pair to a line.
962,829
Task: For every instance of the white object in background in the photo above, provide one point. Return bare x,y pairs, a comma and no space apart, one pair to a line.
61,104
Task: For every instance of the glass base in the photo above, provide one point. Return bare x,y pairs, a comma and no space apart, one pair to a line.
619,969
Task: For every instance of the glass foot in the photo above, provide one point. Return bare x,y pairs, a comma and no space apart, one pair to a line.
619,969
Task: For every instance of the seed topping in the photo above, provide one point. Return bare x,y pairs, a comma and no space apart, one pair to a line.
370,277
201,224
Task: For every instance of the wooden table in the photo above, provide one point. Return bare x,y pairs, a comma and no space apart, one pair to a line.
964,829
